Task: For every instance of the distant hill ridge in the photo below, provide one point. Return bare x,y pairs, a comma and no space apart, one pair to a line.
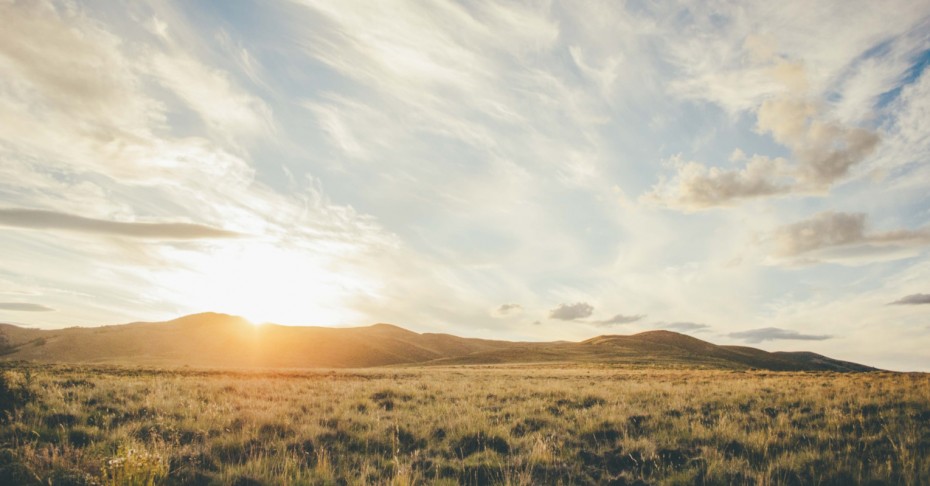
221,340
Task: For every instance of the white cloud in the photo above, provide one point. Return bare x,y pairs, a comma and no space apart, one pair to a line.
824,153
819,99
212,95
723,54
73,97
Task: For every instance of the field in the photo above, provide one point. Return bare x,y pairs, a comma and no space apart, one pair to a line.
462,425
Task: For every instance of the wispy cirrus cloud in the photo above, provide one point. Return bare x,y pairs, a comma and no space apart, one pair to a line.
58,79
211,94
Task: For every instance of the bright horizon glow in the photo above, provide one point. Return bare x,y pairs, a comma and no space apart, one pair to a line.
262,283
523,171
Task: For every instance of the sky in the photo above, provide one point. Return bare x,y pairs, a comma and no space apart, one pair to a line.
745,172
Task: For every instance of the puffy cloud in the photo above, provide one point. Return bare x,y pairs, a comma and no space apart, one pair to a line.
823,150
507,310
39,219
913,299
697,186
571,312
838,236
775,333
824,153
24,307
620,319
823,230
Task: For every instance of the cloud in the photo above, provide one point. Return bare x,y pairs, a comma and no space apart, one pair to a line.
507,310
52,61
24,307
697,186
839,236
39,219
571,312
824,153
823,150
775,333
683,326
913,299
823,230
620,319
210,92
449,151
60,54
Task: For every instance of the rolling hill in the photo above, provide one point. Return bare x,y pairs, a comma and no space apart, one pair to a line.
219,340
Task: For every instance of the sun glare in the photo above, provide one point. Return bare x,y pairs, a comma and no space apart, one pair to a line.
265,283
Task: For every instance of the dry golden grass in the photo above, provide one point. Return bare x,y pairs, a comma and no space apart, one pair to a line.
465,425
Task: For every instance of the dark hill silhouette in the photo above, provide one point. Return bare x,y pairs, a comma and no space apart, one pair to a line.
220,340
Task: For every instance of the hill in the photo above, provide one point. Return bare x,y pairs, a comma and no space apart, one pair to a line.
220,340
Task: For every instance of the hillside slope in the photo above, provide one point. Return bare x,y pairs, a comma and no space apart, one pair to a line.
219,340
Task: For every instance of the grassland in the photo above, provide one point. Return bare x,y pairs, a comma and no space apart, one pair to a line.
462,425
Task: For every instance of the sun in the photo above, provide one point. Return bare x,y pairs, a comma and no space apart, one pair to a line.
264,283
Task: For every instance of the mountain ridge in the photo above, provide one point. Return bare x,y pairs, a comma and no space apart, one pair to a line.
223,340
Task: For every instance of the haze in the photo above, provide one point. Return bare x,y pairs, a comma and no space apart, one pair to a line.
527,171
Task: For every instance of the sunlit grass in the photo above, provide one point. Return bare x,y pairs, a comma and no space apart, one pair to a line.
511,425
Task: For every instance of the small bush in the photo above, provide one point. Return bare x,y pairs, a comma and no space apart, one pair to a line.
246,481
475,443
528,425
18,474
60,419
81,437
67,477
275,430
13,395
